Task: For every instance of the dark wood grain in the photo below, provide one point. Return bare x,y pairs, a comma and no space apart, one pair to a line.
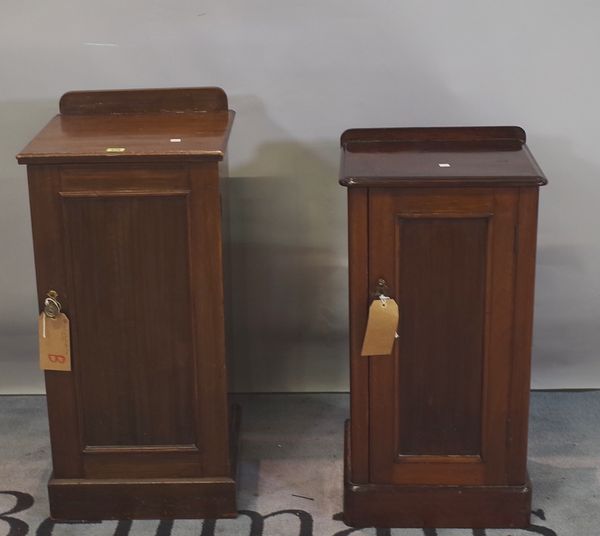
99,499
468,135
443,420
86,138
520,379
434,506
50,269
140,426
128,101
476,156
358,240
209,322
441,274
129,271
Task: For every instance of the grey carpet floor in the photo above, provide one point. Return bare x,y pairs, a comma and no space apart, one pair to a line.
291,472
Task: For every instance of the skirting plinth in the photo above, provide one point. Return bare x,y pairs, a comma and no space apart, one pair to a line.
387,505
148,498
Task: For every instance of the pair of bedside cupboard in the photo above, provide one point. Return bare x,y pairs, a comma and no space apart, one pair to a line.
125,207
443,220
125,195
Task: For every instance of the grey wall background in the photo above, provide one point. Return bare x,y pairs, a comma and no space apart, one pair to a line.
298,74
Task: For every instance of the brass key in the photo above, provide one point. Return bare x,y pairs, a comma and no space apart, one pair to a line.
51,304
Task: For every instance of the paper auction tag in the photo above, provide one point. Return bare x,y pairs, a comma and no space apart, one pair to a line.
381,327
55,343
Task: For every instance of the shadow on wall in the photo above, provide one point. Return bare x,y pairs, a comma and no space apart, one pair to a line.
288,232
20,121
567,312
289,264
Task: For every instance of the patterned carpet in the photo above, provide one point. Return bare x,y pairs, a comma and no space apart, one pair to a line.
291,472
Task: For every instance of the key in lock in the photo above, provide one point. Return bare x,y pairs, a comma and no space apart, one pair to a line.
52,305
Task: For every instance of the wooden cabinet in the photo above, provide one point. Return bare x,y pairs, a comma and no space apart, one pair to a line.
445,220
126,215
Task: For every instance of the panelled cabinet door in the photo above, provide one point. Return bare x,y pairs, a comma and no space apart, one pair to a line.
142,264
438,404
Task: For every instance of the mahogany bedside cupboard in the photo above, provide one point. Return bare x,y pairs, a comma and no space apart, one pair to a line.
125,206
443,220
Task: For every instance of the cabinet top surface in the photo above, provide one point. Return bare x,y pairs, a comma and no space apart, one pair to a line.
134,125
399,157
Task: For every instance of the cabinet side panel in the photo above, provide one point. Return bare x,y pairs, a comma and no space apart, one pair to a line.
523,326
226,248
441,292
132,346
209,317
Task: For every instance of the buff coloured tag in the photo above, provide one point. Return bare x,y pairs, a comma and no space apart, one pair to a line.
381,327
55,343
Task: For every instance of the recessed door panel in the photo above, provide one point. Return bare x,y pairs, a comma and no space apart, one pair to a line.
441,282
132,318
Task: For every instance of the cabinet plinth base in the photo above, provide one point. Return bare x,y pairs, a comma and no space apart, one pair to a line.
185,498
94,499
388,505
